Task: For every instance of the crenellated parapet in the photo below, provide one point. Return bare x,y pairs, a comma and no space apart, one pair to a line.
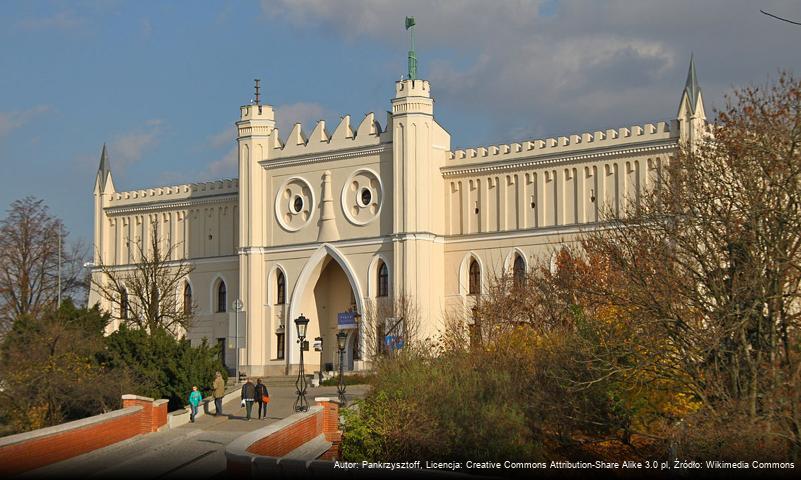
616,138
344,137
175,192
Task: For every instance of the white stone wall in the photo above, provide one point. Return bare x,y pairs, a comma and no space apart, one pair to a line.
429,210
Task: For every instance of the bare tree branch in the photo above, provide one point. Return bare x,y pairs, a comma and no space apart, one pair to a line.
148,294
780,18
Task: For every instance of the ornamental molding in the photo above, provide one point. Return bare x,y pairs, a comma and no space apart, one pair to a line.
304,159
554,160
169,205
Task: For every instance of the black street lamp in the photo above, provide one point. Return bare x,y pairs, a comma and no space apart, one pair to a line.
342,338
301,404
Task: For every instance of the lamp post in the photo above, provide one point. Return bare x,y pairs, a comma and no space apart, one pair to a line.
301,404
237,308
341,339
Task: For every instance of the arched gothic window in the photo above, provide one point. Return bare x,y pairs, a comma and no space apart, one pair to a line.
475,278
383,280
281,288
519,271
124,306
187,299
221,297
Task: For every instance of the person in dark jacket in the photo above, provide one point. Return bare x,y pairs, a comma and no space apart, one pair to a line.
248,396
261,395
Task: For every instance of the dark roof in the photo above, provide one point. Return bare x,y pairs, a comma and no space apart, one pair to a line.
104,169
691,86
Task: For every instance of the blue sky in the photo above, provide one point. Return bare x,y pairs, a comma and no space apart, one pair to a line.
161,82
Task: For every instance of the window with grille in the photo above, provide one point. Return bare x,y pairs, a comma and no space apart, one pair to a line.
475,278
383,280
124,306
187,299
221,297
281,289
519,271
279,339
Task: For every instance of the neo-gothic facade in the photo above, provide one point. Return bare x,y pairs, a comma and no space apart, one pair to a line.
336,220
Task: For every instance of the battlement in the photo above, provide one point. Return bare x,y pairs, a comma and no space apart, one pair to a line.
412,88
599,139
367,133
175,192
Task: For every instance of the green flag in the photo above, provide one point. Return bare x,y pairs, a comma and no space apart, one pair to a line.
409,22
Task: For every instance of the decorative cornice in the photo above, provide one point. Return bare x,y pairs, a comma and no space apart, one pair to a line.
169,205
170,263
305,159
555,159
395,237
571,229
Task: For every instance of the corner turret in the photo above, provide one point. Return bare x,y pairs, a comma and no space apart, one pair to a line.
104,188
104,179
691,114
412,97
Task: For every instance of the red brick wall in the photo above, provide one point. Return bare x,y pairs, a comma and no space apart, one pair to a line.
38,452
284,441
154,412
41,451
331,430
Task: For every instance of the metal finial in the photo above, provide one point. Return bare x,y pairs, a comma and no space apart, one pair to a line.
258,98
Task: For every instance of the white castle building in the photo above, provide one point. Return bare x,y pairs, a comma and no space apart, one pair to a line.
333,221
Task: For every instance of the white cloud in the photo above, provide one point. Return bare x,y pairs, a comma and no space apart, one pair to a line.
60,21
146,28
225,167
128,148
10,121
557,67
305,113
222,138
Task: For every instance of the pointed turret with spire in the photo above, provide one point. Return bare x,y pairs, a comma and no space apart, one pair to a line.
104,188
104,172
691,114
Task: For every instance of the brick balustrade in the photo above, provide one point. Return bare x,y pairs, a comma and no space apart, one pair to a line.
266,445
31,450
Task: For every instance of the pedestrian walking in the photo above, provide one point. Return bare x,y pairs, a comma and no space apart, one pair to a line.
248,396
219,393
262,397
194,400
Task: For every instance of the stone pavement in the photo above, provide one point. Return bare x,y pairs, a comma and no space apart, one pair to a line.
195,450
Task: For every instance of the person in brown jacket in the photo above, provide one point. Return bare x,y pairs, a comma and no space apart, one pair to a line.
219,393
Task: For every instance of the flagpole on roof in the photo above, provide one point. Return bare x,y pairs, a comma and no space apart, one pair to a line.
412,56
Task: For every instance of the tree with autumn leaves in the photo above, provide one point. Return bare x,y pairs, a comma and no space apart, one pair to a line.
672,329
710,265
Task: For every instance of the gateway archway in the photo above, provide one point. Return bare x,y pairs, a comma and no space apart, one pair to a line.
326,286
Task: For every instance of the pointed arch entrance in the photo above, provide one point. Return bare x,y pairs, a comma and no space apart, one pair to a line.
326,286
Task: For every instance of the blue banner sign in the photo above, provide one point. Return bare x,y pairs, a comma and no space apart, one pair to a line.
346,320
393,342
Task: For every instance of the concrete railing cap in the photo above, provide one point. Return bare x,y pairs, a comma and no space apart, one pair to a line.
240,445
130,396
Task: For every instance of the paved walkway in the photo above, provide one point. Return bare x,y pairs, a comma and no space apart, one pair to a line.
195,450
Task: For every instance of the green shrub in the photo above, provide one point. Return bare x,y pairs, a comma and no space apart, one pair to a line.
438,408
165,367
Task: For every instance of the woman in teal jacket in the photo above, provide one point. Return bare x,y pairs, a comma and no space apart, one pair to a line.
194,400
